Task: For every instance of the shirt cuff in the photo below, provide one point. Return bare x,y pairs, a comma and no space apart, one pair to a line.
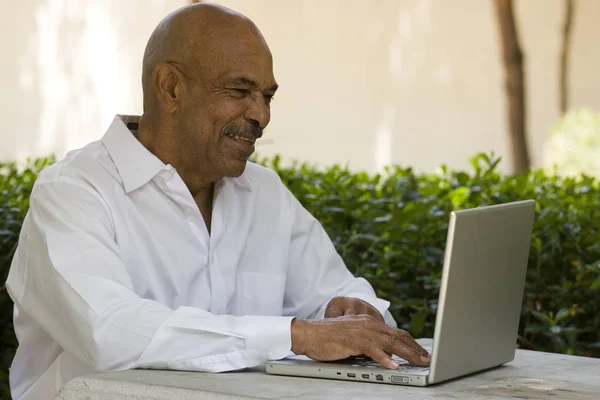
268,338
377,303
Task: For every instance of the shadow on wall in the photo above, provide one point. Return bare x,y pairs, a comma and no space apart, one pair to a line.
54,75
21,104
72,70
430,96
385,82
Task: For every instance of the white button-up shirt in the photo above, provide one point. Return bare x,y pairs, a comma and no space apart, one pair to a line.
115,269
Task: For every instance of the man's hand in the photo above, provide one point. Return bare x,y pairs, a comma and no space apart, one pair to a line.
341,306
339,338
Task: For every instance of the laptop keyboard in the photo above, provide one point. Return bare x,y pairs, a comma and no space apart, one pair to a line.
402,363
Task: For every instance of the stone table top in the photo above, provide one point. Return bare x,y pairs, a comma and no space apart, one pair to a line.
532,375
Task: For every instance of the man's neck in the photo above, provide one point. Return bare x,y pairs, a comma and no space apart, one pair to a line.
200,183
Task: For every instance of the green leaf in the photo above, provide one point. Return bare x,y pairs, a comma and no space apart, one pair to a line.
335,210
459,196
417,323
383,218
562,314
556,330
540,316
536,328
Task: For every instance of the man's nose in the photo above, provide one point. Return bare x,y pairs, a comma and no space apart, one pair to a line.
258,112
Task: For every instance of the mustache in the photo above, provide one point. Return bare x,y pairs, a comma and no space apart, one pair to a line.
249,131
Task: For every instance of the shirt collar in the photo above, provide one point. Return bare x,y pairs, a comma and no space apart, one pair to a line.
135,163
242,182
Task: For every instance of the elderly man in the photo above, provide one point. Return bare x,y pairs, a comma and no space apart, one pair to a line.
160,246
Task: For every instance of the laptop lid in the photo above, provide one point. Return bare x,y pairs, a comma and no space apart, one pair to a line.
481,291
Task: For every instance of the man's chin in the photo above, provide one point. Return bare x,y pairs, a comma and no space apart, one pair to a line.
236,169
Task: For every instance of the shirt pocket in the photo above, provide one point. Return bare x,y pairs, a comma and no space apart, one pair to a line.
260,293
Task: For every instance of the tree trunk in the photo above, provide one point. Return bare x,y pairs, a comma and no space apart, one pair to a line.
564,56
515,84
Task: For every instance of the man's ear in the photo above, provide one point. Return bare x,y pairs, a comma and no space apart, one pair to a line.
167,87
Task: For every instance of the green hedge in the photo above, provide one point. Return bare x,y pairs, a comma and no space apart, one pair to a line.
391,229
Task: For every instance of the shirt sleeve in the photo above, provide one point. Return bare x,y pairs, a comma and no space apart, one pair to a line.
317,273
68,276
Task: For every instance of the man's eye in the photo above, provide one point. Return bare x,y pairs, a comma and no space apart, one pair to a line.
241,92
269,98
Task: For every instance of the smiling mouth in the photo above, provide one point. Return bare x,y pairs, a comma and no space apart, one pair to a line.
242,139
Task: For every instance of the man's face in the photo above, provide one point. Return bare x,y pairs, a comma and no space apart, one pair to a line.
227,105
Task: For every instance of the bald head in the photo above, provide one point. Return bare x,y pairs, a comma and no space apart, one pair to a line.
194,38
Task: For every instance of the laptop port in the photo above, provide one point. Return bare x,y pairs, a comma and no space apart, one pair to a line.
351,375
365,376
399,379
379,377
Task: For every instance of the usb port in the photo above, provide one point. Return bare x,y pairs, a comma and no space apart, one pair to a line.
351,375
379,377
365,376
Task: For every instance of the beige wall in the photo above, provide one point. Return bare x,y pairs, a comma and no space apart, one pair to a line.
67,67
415,82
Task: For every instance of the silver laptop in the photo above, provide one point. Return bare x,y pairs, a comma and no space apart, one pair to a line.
480,298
